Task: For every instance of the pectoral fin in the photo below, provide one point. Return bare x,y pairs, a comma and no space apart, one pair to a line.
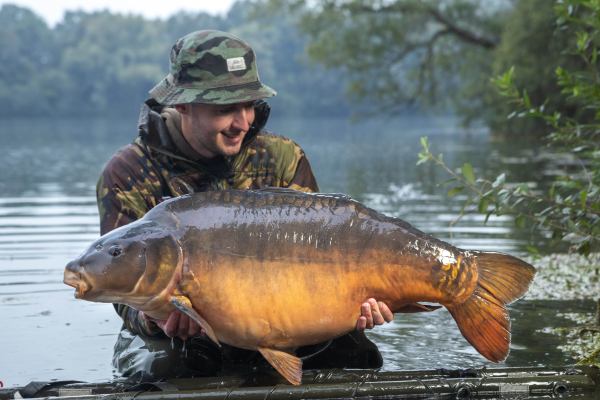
183,304
286,364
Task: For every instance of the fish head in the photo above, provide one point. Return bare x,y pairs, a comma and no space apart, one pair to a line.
129,265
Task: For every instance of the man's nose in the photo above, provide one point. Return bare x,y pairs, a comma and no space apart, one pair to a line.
241,119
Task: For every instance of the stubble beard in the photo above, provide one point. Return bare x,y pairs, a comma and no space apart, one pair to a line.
227,149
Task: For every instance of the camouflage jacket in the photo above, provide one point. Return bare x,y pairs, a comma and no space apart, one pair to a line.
157,165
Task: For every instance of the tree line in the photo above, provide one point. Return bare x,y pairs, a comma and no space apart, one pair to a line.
103,64
324,57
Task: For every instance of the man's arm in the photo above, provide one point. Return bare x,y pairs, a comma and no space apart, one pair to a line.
304,179
125,192
127,189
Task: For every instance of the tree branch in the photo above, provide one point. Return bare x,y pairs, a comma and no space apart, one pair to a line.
460,33
463,34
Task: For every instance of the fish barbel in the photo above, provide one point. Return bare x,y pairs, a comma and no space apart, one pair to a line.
274,269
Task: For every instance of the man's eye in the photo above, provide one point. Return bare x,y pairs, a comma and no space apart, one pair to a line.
233,108
224,111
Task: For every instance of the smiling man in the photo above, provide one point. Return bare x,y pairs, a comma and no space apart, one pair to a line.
202,130
216,130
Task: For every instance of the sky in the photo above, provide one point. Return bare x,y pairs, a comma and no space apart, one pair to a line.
52,11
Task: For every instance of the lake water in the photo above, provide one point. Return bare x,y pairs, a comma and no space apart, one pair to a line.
48,215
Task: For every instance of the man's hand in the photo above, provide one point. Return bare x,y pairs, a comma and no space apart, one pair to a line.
373,313
177,325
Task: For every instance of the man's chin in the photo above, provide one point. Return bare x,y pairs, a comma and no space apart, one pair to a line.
229,151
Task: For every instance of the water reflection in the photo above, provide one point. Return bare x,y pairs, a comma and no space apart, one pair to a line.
48,216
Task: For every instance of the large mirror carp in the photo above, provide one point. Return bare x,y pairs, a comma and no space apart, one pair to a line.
274,269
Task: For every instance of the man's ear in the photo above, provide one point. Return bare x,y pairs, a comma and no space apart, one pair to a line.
182,108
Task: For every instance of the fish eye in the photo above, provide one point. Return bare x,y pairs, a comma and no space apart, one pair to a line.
115,250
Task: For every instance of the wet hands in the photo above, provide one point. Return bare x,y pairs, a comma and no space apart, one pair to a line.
183,327
177,325
373,313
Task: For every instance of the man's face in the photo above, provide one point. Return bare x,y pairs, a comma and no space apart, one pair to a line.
213,130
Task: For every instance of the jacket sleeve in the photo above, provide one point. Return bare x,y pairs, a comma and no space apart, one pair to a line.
304,179
128,188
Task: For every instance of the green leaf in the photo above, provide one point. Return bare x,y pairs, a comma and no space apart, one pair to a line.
574,238
456,190
533,250
552,191
520,221
582,40
487,216
518,201
467,171
447,182
522,188
500,179
482,207
526,99
583,199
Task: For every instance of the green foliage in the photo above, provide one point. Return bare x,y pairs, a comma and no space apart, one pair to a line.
23,32
302,87
400,52
534,43
441,54
108,60
90,63
570,207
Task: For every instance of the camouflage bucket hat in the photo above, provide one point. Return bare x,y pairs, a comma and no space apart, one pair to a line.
211,67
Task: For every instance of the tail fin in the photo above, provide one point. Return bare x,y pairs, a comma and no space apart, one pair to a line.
483,319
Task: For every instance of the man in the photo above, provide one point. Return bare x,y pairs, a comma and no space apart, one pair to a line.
202,130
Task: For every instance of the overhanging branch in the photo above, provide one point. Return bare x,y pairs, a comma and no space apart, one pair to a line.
398,7
463,34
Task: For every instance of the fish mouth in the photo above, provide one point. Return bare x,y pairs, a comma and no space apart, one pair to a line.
75,279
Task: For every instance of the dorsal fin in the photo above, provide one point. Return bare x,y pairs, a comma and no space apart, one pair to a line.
273,189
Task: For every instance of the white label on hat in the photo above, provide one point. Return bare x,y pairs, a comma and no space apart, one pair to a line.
236,64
